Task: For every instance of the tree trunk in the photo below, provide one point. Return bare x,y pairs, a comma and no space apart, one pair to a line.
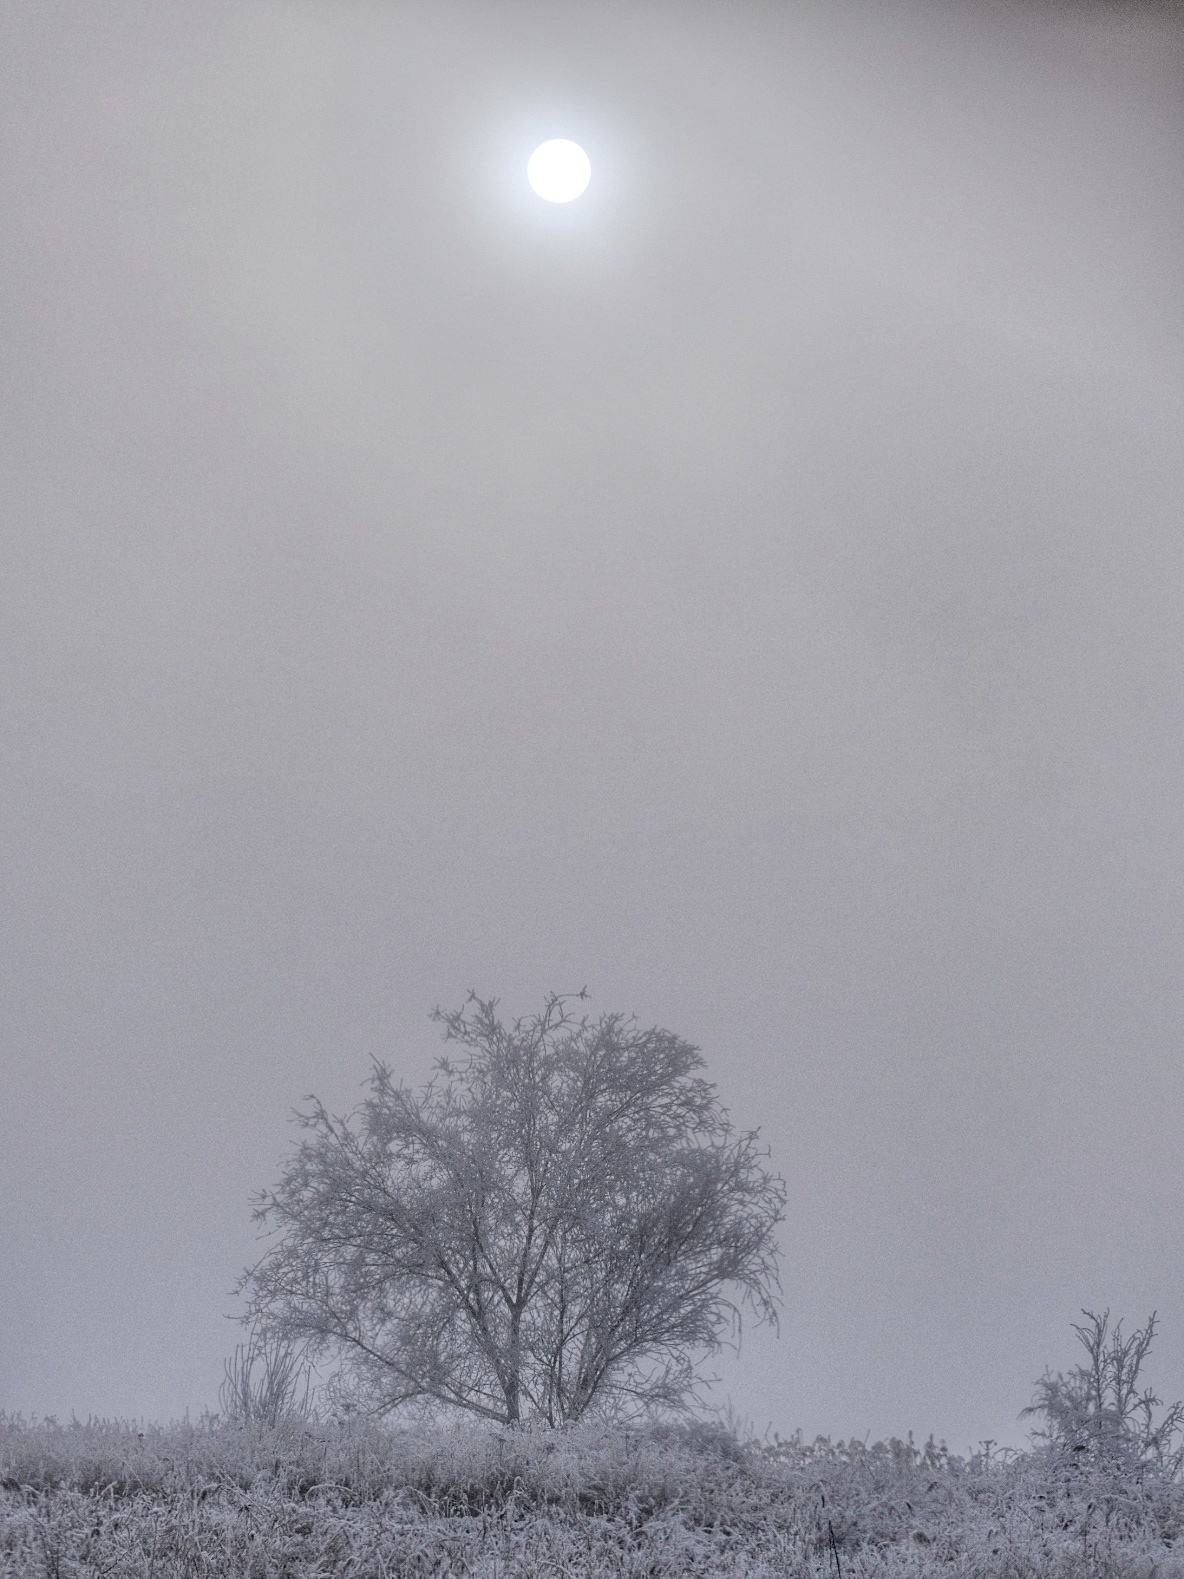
513,1383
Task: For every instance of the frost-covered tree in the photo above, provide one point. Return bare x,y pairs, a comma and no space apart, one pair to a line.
1100,1416
562,1221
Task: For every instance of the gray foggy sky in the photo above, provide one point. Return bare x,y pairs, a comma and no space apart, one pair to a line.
753,591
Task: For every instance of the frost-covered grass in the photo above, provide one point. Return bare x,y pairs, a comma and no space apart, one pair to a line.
305,1499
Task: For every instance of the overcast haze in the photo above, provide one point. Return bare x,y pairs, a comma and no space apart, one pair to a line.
753,591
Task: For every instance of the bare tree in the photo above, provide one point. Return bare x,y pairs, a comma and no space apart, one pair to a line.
1100,1414
562,1220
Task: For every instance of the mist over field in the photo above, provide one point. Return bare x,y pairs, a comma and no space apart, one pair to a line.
752,591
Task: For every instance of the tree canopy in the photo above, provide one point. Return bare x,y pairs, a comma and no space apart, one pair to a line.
562,1220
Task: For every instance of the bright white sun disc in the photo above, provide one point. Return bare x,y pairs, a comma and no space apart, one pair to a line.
559,170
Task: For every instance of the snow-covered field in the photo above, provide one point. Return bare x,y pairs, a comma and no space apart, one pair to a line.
306,1499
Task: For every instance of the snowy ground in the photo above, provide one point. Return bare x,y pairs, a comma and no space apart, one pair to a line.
309,1499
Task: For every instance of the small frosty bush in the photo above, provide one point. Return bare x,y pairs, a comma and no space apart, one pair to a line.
266,1380
1100,1417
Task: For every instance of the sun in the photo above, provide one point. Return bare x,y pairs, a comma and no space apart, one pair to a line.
559,170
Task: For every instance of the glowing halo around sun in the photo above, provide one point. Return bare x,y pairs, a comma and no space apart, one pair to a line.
559,170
